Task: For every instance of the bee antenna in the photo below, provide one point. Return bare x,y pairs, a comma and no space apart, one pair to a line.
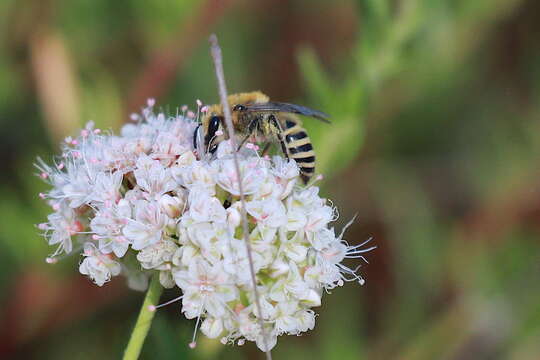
218,133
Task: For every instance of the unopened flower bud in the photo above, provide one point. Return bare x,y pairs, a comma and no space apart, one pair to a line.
233,217
212,327
171,205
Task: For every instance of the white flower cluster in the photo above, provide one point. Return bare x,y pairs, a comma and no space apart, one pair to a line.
147,202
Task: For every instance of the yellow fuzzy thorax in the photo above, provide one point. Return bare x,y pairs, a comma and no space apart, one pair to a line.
240,98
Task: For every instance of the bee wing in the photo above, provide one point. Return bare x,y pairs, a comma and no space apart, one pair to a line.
289,108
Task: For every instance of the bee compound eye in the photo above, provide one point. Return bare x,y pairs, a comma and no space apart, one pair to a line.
239,107
213,126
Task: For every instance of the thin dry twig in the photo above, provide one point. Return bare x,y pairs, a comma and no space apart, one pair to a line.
218,63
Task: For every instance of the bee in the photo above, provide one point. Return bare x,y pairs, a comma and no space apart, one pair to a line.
255,116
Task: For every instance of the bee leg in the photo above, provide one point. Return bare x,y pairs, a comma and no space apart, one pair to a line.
265,149
274,122
251,128
243,142
283,147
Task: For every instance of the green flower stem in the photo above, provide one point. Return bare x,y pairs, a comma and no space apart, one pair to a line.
144,320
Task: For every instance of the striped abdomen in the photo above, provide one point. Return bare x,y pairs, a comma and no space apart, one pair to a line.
299,148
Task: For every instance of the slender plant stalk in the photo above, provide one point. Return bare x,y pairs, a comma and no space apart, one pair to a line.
144,320
215,50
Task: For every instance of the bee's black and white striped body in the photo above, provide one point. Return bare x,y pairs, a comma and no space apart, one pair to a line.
299,147
255,116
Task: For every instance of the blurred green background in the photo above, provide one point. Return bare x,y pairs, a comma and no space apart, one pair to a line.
435,143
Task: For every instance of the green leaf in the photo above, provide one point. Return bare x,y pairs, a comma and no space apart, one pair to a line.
343,104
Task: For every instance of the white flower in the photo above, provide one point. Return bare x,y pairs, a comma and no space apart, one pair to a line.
107,188
294,287
107,226
207,288
212,327
147,227
285,176
158,256
153,177
305,320
294,249
167,147
208,238
319,218
267,342
196,177
146,203
236,262
186,159
334,253
323,274
285,320
173,206
234,218
62,225
99,267
270,212
252,175
166,279
322,239
205,208
78,186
